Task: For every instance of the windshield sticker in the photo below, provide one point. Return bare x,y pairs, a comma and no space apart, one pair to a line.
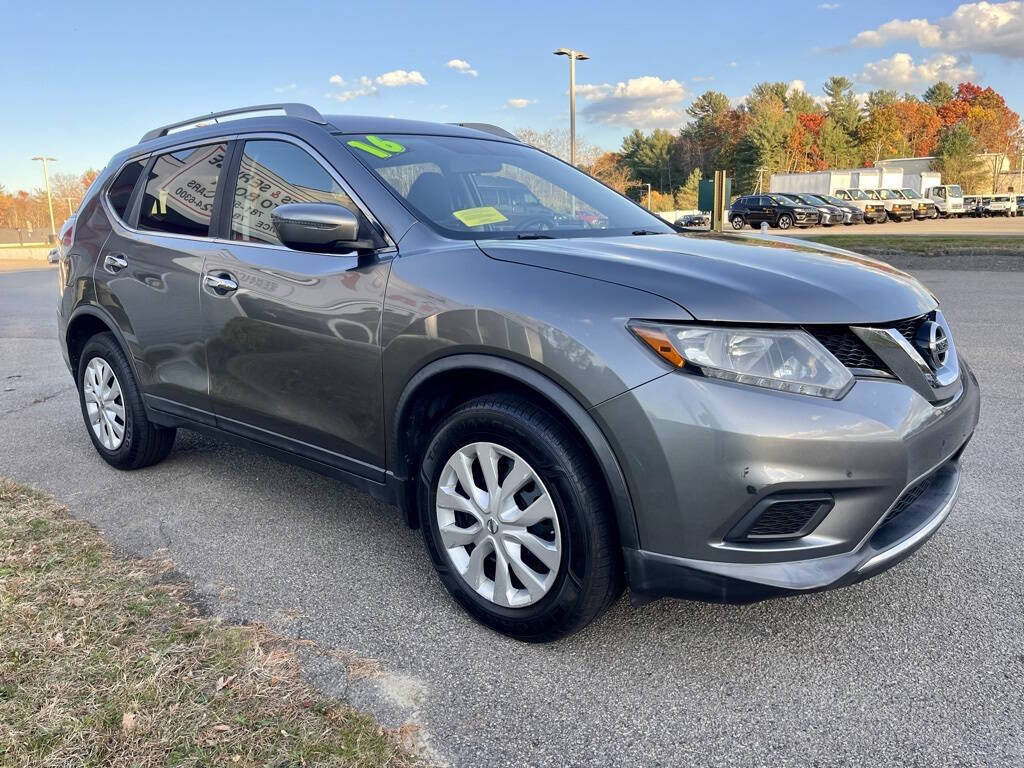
477,217
378,147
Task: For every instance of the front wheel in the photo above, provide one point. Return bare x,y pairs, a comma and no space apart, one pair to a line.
515,520
785,221
112,408
737,222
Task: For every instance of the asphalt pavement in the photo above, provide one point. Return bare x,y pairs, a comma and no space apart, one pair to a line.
920,666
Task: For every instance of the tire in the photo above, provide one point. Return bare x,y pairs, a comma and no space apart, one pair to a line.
934,215
140,443
588,576
785,221
737,222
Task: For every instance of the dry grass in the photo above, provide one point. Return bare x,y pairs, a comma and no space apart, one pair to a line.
105,661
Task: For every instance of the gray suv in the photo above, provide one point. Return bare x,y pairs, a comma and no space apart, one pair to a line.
566,396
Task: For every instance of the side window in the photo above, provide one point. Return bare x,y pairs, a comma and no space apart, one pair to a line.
764,201
120,191
843,194
273,173
180,191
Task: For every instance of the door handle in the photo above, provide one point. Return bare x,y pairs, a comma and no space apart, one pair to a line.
220,283
114,262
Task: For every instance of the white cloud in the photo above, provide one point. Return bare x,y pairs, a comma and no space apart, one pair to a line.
733,64
364,87
972,28
285,88
796,85
399,77
520,103
371,87
462,66
828,6
901,71
645,102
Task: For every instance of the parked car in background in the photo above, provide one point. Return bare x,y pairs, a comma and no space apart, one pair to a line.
972,206
923,208
1000,205
897,208
561,412
828,215
1020,205
694,220
851,213
874,210
948,199
53,256
774,210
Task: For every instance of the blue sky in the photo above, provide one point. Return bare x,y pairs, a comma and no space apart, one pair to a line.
82,80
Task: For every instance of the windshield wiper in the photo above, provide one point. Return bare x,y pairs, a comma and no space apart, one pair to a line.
533,236
646,232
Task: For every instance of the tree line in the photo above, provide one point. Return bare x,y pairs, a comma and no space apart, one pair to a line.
969,131
28,211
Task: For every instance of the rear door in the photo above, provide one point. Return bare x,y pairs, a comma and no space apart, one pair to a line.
293,348
147,276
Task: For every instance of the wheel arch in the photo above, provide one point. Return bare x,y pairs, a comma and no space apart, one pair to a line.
456,378
86,322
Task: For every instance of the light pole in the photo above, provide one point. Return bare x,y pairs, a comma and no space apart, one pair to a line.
49,200
574,56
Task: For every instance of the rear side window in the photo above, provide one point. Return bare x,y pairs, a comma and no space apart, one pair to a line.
273,173
120,192
180,190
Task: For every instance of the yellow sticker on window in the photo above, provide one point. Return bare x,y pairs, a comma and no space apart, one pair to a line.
477,217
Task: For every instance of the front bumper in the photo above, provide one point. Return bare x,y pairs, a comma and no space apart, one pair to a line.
876,215
700,454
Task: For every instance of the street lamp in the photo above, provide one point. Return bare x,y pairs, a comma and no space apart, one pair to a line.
574,56
49,200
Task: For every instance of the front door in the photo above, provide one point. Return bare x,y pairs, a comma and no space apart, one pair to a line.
293,337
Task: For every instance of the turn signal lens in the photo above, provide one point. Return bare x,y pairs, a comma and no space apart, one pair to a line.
659,341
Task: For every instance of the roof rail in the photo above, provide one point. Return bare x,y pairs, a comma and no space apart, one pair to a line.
304,111
488,128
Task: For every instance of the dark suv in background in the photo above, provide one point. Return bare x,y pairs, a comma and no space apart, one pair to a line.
563,393
775,210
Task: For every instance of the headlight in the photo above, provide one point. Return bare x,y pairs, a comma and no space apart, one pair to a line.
790,361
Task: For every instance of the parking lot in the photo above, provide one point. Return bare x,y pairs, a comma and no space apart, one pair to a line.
923,665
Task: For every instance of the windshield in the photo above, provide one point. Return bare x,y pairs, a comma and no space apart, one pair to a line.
909,193
475,188
832,200
956,191
886,194
858,194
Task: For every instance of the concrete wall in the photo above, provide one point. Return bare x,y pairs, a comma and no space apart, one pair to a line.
27,253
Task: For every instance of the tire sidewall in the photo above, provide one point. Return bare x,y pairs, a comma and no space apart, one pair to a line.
785,221
496,426
103,347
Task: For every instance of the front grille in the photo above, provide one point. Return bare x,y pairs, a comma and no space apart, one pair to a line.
909,496
854,353
787,518
908,328
847,347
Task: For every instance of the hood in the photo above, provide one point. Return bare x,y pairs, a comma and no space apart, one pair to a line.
733,278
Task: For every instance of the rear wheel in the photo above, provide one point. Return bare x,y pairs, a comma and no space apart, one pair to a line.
515,520
112,408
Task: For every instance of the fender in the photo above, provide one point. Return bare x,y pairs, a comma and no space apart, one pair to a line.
94,310
569,407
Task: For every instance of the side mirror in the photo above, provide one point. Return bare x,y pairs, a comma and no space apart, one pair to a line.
315,226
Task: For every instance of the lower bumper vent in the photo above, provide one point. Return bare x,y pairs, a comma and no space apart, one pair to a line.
783,516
